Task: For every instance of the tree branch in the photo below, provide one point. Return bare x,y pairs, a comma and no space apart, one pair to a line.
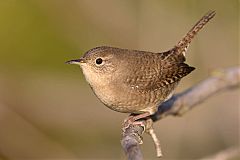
220,80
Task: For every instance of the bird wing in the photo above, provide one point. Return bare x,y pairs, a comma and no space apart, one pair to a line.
160,71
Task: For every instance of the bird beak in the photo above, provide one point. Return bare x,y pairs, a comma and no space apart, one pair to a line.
76,61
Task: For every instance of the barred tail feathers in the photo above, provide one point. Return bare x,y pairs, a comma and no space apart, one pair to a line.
183,44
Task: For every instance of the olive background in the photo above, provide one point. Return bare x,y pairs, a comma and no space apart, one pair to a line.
47,109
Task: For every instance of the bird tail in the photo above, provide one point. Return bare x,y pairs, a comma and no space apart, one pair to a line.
183,44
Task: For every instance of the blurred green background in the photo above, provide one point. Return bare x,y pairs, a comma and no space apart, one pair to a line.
47,110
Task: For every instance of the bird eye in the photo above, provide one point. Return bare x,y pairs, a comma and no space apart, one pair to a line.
99,61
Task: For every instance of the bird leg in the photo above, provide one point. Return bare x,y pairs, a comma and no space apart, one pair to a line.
147,125
133,120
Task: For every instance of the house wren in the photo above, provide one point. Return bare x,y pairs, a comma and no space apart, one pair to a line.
132,81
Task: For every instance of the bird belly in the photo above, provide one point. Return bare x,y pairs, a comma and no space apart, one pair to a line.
132,100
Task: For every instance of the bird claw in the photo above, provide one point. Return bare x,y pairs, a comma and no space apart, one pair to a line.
130,121
147,126
129,127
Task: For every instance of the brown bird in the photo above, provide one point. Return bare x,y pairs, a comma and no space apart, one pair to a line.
132,81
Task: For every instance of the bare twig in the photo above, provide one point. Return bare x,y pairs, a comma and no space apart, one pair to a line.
179,104
156,142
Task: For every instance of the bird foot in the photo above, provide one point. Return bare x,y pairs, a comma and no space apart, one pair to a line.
134,128
146,125
134,120
130,121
